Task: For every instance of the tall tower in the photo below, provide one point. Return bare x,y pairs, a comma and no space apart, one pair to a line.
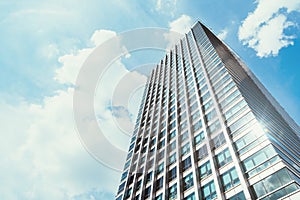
208,129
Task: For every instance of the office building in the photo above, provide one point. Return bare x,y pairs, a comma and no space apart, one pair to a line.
208,129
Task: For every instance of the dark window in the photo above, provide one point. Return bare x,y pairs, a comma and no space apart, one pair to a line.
138,185
202,152
185,149
186,163
159,183
218,141
172,174
147,192
149,177
121,187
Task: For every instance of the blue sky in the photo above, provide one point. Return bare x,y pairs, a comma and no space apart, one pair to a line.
43,45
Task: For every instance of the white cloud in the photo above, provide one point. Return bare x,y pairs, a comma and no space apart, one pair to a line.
43,157
72,62
101,36
178,28
263,29
181,24
167,7
223,34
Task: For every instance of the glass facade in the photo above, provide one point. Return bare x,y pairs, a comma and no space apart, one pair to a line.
208,129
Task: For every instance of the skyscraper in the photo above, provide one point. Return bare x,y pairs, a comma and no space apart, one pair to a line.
208,129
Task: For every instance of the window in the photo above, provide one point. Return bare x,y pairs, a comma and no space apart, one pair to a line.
136,197
172,146
235,109
205,97
188,181
202,153
129,155
172,174
208,105
172,109
161,155
184,136
191,92
218,141
153,142
172,125
203,89
241,122
138,185
130,179
228,99
246,140
187,163
272,182
183,125
149,177
238,196
192,99
124,175
160,168
161,144
127,164
190,197
161,134
182,117
221,81
172,116
230,179
195,115
199,138
194,107
282,192
128,193
258,158
185,149
172,134
205,170
172,158
214,127
159,183
119,198
211,115
150,163
173,192
209,191
197,125
121,187
147,192
225,90
159,197
223,157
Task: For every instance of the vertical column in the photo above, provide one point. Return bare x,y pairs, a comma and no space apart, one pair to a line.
235,159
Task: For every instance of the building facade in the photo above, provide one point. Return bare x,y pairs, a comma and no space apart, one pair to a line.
208,129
